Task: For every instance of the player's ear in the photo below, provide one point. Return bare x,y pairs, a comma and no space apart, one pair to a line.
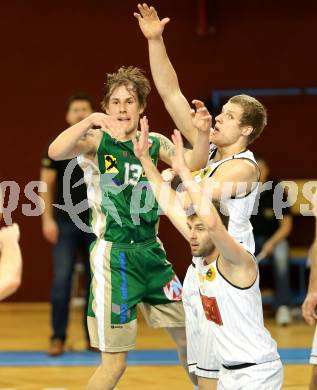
247,130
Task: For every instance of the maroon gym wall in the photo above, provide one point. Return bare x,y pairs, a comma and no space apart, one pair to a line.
53,49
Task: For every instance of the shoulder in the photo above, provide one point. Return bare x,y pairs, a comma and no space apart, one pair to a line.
237,169
159,136
163,142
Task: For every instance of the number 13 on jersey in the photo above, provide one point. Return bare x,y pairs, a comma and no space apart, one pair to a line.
132,173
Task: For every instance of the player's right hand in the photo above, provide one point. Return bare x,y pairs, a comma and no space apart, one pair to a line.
308,308
150,24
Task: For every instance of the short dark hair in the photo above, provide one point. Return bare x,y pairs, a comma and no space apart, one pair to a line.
222,211
79,97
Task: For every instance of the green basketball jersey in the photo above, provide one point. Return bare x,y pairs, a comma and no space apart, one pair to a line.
122,205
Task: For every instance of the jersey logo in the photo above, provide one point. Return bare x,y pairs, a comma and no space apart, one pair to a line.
111,164
202,173
173,289
210,274
211,309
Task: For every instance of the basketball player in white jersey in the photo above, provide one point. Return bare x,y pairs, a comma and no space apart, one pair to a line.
309,307
228,283
232,171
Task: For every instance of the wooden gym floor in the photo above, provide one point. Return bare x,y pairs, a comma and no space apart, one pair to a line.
25,327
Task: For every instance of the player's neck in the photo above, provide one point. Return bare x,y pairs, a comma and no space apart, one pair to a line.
129,136
212,257
228,151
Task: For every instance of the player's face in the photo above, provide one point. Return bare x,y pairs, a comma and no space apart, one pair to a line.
199,238
227,130
125,107
78,110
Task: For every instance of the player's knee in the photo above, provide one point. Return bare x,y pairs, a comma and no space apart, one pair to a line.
113,369
207,383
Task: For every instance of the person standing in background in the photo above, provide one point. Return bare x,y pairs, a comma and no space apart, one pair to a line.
270,235
59,229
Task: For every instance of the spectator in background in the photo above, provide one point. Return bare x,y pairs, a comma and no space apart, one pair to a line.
60,230
309,307
270,236
10,260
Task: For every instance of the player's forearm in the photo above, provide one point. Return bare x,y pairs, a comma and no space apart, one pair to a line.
10,269
197,158
163,73
200,199
283,231
166,82
48,211
65,145
159,187
278,236
166,197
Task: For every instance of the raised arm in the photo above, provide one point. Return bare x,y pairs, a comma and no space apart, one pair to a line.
310,303
163,73
197,157
164,194
10,261
77,139
229,248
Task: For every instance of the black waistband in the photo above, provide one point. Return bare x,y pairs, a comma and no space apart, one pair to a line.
239,366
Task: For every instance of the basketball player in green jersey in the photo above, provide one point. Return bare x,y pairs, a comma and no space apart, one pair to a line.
128,263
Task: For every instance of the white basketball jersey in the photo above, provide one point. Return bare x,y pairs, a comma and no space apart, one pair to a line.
235,317
240,208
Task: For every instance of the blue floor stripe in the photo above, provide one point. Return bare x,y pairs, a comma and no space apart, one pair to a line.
135,358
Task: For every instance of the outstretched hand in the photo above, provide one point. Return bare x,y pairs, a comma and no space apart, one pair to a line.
178,159
150,24
141,146
202,119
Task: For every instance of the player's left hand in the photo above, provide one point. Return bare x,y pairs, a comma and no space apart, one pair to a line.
202,119
308,308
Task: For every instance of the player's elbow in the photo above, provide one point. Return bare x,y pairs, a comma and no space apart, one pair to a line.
54,152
